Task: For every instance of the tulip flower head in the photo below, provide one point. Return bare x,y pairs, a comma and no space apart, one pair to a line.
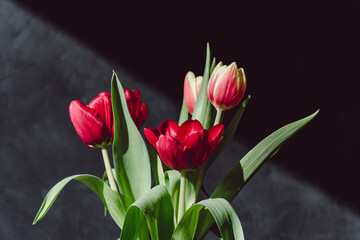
192,86
184,147
226,86
94,122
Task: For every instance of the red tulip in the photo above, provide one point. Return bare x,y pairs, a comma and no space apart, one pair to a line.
192,86
226,86
137,110
95,123
186,147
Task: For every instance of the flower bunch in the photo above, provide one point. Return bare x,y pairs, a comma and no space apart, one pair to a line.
176,154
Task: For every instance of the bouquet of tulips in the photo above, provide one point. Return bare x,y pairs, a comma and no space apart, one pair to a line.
176,154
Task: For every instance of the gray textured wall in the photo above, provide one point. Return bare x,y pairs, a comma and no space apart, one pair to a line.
42,69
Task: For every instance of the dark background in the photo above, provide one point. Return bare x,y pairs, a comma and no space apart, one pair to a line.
298,57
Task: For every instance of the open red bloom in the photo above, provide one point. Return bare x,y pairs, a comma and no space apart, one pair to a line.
95,122
186,147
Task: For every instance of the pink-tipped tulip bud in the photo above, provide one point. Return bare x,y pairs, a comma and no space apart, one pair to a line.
184,147
226,86
192,86
93,122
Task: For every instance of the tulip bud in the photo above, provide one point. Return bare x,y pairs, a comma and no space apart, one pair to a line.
93,122
192,86
226,86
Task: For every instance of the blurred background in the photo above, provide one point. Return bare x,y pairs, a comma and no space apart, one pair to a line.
298,57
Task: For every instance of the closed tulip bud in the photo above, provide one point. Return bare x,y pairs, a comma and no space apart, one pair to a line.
226,86
192,86
184,147
93,122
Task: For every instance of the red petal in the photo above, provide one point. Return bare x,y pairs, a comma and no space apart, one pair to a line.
152,135
169,127
102,104
216,133
136,93
138,113
198,143
143,115
173,153
188,127
131,101
88,124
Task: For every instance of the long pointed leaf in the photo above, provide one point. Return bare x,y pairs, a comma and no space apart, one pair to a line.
241,173
229,132
237,177
228,136
156,165
131,159
202,109
109,198
220,211
156,209
184,114
213,65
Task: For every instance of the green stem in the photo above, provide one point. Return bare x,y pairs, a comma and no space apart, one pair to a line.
182,195
109,169
218,117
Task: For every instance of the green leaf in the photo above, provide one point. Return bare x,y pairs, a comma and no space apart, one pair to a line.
106,181
172,181
184,114
190,190
229,132
196,178
213,65
131,159
227,137
109,198
191,225
156,165
154,208
235,180
238,176
203,108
